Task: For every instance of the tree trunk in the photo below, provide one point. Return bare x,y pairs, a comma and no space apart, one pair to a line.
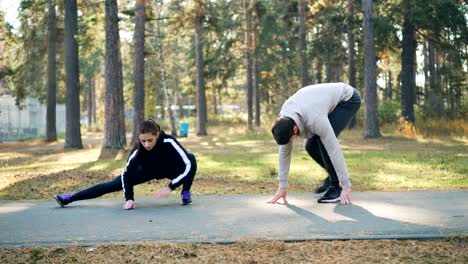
215,100
114,127
93,100
302,44
163,75
437,85
139,70
90,101
163,108
51,128
248,63
426,74
351,49
2,76
256,91
351,54
319,69
256,68
389,85
407,66
73,133
179,99
338,71
431,79
328,68
371,125
202,115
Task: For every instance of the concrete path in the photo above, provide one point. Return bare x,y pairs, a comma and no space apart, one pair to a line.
230,218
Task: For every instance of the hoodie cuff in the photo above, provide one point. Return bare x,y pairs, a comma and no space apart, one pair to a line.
283,184
171,186
346,185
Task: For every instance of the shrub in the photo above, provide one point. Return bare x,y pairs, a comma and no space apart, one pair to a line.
389,112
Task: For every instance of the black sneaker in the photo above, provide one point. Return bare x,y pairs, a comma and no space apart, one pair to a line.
63,199
186,197
325,185
331,196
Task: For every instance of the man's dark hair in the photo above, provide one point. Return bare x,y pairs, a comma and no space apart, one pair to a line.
283,130
149,126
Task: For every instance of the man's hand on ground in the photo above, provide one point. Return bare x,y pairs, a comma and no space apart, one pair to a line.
281,193
163,193
130,204
345,196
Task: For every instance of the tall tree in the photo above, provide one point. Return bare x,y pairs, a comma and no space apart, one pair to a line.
89,67
302,43
163,72
256,61
248,62
434,105
139,70
51,128
29,63
408,55
4,33
72,133
371,126
114,125
202,115
2,69
91,101
351,52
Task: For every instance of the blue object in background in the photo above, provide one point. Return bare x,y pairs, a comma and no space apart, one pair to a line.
184,127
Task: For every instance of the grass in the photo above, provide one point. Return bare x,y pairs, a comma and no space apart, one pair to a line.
233,160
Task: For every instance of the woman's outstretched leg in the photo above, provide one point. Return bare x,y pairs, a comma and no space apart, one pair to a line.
90,193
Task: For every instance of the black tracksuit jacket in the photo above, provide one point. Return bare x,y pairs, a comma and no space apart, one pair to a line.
167,160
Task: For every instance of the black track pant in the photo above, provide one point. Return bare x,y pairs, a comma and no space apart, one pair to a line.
140,177
339,119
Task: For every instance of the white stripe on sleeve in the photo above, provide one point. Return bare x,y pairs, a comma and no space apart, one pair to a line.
184,157
125,169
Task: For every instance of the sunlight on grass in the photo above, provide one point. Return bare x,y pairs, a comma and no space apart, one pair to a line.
12,155
245,143
80,156
39,168
65,183
98,166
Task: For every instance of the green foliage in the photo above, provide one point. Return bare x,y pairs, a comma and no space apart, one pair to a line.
389,112
6,71
26,4
442,22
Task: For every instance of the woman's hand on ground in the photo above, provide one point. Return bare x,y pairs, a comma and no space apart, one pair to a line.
130,204
281,193
163,193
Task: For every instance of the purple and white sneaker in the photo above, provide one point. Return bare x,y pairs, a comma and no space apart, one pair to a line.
63,199
186,197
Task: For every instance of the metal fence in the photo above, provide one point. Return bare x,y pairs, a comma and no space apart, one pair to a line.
27,122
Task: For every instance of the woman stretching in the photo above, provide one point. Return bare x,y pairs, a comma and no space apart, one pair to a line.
156,156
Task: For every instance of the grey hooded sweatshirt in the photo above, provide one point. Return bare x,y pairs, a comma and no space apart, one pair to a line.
309,108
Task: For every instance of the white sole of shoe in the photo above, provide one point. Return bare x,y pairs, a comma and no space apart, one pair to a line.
330,200
58,201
